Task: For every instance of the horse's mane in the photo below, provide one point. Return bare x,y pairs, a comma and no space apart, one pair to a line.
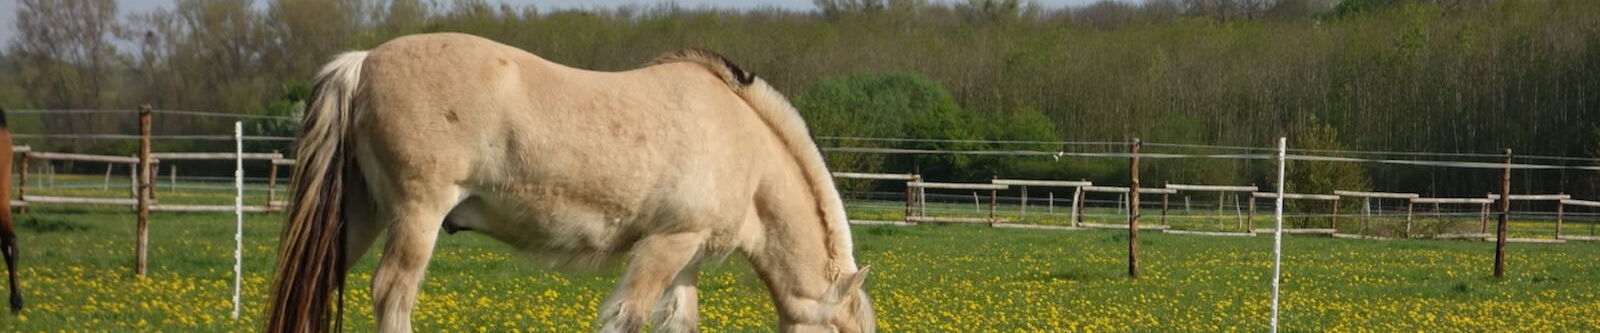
786,123
736,78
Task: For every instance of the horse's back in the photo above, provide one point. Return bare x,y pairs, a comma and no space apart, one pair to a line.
556,149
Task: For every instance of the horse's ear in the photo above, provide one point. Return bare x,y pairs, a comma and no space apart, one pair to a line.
847,285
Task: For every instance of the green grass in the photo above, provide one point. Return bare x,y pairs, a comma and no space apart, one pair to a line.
930,277
78,277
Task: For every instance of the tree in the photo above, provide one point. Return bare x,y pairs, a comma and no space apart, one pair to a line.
1106,14
1352,7
1320,177
65,52
892,105
401,16
982,12
840,8
309,32
216,55
289,108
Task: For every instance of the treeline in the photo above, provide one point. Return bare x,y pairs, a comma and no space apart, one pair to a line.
1471,76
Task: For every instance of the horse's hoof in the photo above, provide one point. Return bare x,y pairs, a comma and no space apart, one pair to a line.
16,304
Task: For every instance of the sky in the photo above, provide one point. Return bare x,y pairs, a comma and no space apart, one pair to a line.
8,8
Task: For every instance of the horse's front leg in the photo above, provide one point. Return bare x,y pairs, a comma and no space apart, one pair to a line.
658,261
680,306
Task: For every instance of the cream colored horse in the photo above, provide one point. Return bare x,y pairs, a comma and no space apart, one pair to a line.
683,160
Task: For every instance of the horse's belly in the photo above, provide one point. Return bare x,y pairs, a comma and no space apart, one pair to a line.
568,231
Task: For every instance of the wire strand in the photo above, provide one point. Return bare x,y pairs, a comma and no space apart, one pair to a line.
153,137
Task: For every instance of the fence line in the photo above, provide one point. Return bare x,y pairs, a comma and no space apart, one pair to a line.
222,114
1214,147
916,187
998,184
27,154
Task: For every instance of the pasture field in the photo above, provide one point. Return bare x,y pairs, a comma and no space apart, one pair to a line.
927,278
78,277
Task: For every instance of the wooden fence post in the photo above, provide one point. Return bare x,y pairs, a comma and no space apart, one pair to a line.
144,190
1164,208
1505,217
1334,223
1250,218
993,195
272,184
1561,209
1077,206
910,199
1410,208
1024,213
1483,224
107,184
1133,212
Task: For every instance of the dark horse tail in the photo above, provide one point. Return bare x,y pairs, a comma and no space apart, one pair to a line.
8,233
311,254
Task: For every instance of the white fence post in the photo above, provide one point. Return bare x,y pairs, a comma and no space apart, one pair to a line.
238,212
1277,232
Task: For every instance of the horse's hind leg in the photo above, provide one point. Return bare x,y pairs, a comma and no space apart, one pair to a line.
8,244
415,217
361,223
657,262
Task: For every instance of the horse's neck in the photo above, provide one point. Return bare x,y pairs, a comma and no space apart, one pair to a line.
793,254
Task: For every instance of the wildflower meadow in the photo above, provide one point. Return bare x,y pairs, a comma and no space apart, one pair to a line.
77,274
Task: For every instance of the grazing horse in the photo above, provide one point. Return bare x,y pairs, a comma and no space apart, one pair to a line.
8,233
687,159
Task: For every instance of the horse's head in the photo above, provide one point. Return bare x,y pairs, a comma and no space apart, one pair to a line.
855,307
845,308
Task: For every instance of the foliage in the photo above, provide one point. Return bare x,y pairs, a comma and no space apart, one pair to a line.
1321,177
289,108
1353,7
1422,75
906,105
888,105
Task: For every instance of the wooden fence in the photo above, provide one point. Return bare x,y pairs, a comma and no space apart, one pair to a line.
142,178
28,155
916,207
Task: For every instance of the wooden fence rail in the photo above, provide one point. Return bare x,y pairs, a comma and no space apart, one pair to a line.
1023,184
